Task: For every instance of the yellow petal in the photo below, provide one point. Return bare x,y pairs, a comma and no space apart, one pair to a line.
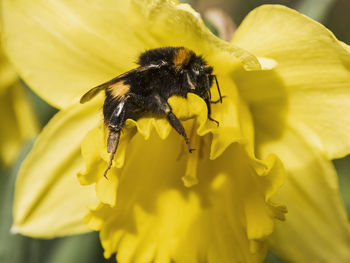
49,201
7,73
164,23
93,147
235,126
159,202
310,86
17,117
76,46
316,227
18,122
223,218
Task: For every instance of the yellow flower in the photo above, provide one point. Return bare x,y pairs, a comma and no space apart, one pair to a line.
18,122
210,206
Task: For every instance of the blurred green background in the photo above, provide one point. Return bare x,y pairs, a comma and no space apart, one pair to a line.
334,14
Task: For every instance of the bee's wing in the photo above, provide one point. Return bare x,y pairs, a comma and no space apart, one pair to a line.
94,91
90,94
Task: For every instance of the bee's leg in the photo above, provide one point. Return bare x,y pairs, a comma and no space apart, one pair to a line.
159,105
112,145
209,112
115,124
217,101
175,122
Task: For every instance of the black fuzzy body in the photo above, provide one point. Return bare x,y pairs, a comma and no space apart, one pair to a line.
165,81
162,73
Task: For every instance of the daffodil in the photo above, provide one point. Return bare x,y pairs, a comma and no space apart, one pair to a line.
18,122
286,80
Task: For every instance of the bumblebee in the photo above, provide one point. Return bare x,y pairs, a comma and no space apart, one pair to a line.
162,73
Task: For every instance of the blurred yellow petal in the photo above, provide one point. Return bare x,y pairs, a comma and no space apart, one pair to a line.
74,46
18,122
312,77
7,73
49,201
316,227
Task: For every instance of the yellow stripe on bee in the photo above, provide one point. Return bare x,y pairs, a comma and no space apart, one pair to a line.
119,89
182,57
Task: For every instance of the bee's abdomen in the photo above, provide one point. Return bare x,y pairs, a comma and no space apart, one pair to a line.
109,105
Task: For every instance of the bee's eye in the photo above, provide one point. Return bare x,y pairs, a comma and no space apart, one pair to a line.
196,72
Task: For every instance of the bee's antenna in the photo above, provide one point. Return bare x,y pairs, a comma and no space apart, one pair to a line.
112,145
217,85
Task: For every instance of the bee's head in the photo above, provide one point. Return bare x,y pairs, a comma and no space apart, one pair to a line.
199,77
